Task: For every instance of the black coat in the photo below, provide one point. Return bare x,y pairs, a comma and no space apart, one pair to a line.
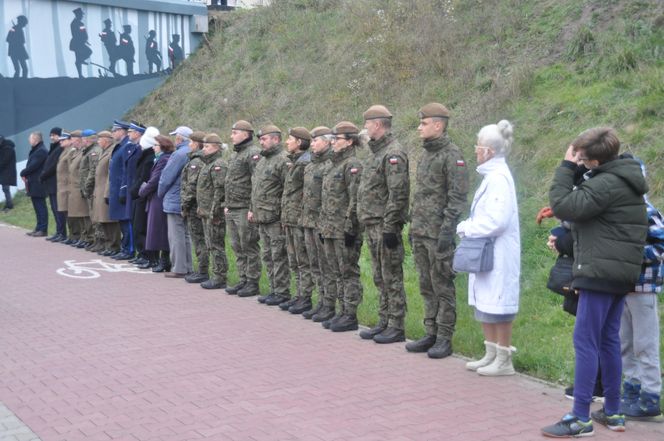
139,215
33,169
7,163
48,177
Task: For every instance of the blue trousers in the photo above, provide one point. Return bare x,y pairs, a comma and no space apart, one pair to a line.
59,216
597,343
39,204
127,244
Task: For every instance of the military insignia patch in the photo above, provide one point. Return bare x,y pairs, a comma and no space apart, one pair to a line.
93,154
353,171
192,167
460,163
256,157
217,168
394,160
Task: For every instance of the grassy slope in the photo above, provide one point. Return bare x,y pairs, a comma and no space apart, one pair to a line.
553,67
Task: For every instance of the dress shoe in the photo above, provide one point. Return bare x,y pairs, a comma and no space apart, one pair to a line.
82,244
390,335
109,253
39,234
161,268
175,275
70,241
213,284
325,313
249,289
235,288
368,334
327,323
146,265
53,238
288,303
348,322
421,345
30,233
302,305
441,349
308,314
196,278
142,261
62,239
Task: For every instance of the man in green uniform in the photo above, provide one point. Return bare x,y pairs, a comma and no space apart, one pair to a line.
439,200
210,193
189,207
243,234
382,207
91,155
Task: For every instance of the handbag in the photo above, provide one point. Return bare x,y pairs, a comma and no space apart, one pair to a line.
560,276
474,255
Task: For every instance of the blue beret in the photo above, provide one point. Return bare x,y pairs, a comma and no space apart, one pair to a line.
88,132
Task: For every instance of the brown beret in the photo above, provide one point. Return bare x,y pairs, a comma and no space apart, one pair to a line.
268,129
212,138
300,132
104,134
320,131
376,111
243,125
345,128
197,136
433,110
76,134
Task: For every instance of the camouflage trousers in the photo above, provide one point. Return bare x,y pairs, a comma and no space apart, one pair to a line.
244,241
344,269
327,286
74,228
275,257
111,235
95,233
197,234
215,235
387,268
436,286
83,226
298,261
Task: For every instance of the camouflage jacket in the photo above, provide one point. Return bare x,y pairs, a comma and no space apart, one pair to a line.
384,190
291,200
240,170
189,182
88,168
210,192
268,185
314,173
441,190
339,210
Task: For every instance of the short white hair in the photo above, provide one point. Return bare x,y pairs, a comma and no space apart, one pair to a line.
498,137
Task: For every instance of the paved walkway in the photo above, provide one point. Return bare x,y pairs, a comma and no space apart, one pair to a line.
113,355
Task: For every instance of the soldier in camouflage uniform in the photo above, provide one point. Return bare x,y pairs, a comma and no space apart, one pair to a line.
311,206
91,154
243,234
340,227
265,210
382,207
439,200
189,207
297,145
210,195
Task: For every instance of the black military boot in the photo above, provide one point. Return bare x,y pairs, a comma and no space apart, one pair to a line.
313,311
213,284
249,289
390,335
285,306
302,305
235,288
441,349
368,334
421,345
347,322
196,278
325,313
277,299
327,323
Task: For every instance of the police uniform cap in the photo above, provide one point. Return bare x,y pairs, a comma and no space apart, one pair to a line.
197,136
212,138
75,134
376,111
433,110
320,131
243,125
105,134
117,124
137,127
345,128
300,132
64,135
270,128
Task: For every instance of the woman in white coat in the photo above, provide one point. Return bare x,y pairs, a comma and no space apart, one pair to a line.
494,213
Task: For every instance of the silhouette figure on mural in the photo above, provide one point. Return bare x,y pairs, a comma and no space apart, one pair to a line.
79,41
126,49
107,36
16,47
152,52
175,53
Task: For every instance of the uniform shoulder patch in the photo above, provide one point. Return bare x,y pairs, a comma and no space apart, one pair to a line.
394,160
256,157
460,163
217,167
354,170
192,166
93,154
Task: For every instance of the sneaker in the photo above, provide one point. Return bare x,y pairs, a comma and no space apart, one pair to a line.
598,395
615,422
645,408
569,426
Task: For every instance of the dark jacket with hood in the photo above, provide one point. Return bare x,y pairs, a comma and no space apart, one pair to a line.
609,223
7,162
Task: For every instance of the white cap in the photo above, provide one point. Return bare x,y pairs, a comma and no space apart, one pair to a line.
183,131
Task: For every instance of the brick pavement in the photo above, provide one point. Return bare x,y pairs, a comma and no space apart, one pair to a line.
140,357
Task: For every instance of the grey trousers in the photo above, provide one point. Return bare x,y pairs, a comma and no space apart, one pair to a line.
179,244
639,341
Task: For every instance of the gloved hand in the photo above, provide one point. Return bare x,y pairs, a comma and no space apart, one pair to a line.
390,240
122,199
107,201
349,240
543,213
320,236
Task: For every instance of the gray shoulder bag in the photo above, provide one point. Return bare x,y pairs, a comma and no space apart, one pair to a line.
474,255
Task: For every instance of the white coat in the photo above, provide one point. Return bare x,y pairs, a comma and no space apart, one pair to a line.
494,213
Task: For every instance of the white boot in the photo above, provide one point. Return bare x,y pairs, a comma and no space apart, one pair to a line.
488,358
502,364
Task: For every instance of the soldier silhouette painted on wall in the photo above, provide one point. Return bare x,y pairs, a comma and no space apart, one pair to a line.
175,53
107,36
16,47
126,49
79,41
152,52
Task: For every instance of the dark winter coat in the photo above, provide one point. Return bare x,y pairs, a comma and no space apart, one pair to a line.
48,177
157,231
130,156
116,170
141,174
33,169
7,163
